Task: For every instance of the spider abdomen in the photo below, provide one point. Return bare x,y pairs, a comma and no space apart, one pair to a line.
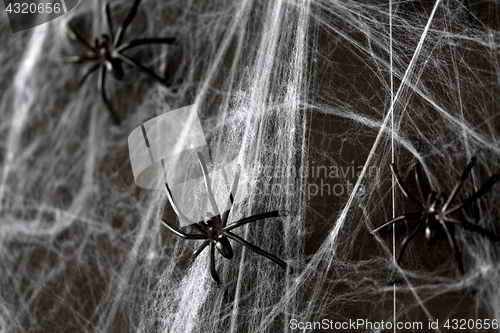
224,247
115,67
430,234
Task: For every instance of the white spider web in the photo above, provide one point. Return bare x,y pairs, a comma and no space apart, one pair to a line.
335,89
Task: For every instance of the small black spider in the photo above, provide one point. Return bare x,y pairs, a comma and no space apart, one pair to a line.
108,53
434,211
214,231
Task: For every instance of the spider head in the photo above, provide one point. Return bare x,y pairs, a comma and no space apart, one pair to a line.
212,222
102,44
434,203
224,247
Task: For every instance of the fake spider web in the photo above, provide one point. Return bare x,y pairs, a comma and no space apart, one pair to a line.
303,89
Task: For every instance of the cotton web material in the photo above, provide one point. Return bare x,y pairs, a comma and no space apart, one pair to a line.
317,98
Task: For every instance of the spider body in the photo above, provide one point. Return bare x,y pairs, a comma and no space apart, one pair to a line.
435,214
108,55
215,234
432,214
214,230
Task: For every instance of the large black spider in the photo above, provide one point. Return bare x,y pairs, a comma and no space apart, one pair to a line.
108,53
434,211
215,230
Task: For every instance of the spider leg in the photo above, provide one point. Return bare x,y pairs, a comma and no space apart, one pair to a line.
78,38
140,67
472,227
175,208
100,87
485,188
213,272
121,29
208,184
87,74
403,188
460,183
180,233
407,240
76,59
444,197
144,41
200,249
232,194
199,228
454,247
256,217
223,171
418,176
109,22
408,216
257,250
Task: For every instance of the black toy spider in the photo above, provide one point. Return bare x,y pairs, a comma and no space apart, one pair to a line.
434,214
214,231
108,53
